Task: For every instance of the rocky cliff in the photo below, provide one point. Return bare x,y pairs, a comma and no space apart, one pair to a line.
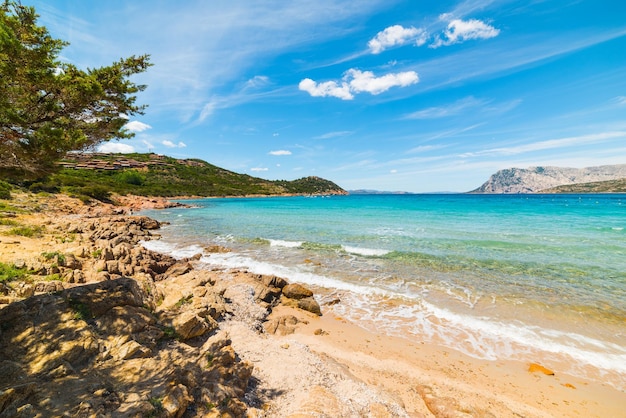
537,179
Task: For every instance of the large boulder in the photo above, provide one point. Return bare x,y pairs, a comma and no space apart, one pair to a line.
296,291
188,325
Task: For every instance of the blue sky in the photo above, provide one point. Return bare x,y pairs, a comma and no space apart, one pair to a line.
411,95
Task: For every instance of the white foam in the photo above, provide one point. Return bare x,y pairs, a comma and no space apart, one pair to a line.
369,252
489,339
287,244
172,249
295,274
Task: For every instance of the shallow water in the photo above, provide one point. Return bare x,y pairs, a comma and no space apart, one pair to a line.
526,277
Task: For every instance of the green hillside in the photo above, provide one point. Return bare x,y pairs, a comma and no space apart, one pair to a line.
156,175
609,186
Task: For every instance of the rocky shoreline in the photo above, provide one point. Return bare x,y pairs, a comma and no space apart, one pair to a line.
108,328
102,327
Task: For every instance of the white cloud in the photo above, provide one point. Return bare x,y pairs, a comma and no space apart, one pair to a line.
356,81
259,169
147,144
621,100
280,152
328,88
463,30
394,171
396,35
136,126
444,111
170,144
116,147
365,81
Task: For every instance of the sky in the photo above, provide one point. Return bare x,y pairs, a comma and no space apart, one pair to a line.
394,95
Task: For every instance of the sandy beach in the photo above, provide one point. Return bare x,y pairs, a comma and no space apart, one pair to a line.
306,365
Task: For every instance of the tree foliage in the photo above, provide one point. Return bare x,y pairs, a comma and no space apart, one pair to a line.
49,107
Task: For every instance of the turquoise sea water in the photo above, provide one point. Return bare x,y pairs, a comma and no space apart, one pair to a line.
525,277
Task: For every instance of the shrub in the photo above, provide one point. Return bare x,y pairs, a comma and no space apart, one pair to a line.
5,190
131,177
27,231
9,273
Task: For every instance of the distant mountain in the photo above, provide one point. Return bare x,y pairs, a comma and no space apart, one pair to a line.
542,179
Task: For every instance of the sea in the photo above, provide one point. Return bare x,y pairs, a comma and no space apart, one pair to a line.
532,278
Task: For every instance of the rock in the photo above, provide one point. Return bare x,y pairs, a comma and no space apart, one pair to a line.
24,290
176,401
71,262
124,319
216,249
274,281
284,325
4,289
179,269
296,291
74,276
534,367
49,287
268,294
100,297
145,222
188,325
309,304
130,349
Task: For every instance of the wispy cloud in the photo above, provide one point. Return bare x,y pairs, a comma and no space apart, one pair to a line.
335,134
356,81
259,169
621,100
280,152
464,30
550,144
257,81
396,35
445,111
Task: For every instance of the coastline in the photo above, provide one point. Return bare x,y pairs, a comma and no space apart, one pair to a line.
326,366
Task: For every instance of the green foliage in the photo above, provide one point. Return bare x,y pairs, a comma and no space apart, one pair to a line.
131,177
169,333
157,404
9,273
49,107
185,300
60,257
43,187
27,231
81,311
5,190
607,186
172,177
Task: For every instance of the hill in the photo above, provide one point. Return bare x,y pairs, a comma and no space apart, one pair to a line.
542,179
158,175
609,186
